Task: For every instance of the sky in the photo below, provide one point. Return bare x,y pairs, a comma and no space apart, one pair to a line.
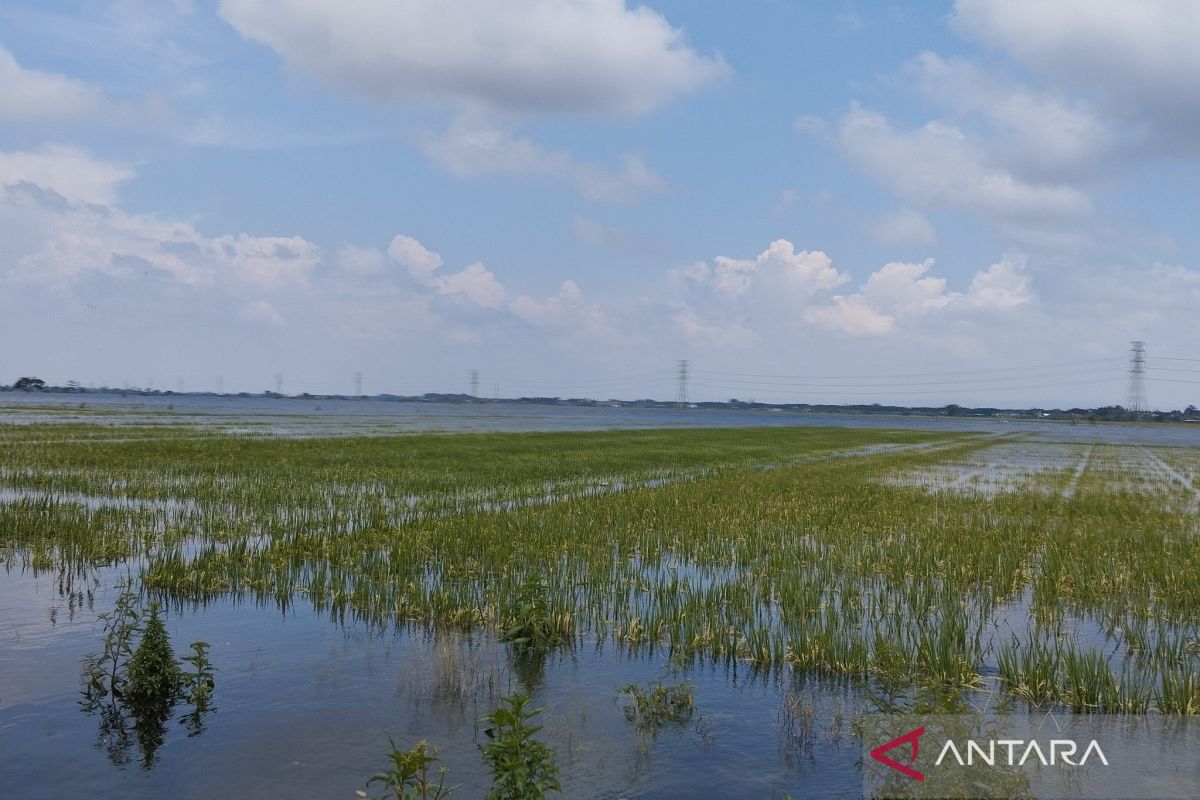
979,202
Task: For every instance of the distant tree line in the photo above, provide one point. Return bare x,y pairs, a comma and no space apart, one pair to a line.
1073,415
29,385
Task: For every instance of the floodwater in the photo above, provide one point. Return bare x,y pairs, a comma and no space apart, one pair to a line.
303,708
297,416
304,705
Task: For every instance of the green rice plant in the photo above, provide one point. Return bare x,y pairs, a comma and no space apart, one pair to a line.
818,550
408,778
1179,692
1087,683
655,704
946,652
1030,669
1134,695
522,767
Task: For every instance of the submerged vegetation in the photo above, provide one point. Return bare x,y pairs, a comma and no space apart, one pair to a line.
902,562
655,704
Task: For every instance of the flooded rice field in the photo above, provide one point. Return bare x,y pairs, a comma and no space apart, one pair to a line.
197,416
696,608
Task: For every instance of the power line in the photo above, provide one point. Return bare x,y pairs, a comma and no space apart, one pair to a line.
1024,368
527,381
569,387
834,391
1171,380
890,384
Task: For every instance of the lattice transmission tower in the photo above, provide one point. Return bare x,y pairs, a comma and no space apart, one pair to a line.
1135,400
681,396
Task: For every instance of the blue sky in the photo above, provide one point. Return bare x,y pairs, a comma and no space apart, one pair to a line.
978,202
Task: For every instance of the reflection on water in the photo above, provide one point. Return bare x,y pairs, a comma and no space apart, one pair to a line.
304,707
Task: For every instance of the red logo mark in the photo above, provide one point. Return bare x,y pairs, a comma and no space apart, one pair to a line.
912,738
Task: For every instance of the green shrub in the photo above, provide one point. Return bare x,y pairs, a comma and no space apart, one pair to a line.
154,675
199,684
522,767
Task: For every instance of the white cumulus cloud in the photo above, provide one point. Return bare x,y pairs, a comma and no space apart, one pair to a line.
475,282
938,165
851,314
1139,59
57,201
28,95
899,292
589,56
1041,133
779,267
420,262
907,288
72,173
568,311
1003,286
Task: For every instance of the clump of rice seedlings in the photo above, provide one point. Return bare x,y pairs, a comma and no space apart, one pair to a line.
1030,669
946,652
1179,692
657,703
1087,683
